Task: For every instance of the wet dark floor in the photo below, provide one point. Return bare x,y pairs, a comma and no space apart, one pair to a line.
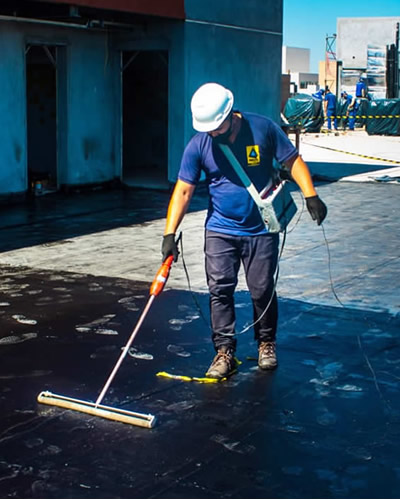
326,424
46,219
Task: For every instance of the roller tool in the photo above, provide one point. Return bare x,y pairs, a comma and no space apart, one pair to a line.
97,409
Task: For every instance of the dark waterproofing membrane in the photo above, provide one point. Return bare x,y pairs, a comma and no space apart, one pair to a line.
383,117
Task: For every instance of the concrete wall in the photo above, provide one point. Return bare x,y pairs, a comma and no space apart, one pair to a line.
93,111
355,33
295,60
165,36
89,119
264,15
13,174
237,44
232,42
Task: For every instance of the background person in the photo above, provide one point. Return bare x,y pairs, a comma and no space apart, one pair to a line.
319,94
235,233
361,88
330,108
362,98
350,109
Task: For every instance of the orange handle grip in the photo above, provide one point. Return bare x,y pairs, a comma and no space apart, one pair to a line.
162,276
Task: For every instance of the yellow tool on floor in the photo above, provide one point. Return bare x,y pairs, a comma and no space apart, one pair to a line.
97,409
185,378
201,380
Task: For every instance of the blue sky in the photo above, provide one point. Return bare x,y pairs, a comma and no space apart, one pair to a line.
306,24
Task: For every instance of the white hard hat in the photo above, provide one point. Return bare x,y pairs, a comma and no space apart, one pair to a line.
210,105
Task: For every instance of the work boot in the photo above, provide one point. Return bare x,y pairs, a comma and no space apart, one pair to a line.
267,355
223,365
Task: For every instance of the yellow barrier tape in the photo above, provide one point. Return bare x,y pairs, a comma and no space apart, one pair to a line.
364,116
349,116
396,162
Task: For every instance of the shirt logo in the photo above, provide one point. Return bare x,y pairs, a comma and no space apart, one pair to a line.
253,155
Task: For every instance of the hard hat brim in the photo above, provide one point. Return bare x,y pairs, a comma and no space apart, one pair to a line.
206,127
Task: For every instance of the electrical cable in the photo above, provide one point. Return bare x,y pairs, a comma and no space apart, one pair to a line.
188,281
246,327
330,268
360,345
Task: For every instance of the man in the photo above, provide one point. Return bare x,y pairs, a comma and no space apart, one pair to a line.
362,99
351,109
319,94
330,108
235,233
361,88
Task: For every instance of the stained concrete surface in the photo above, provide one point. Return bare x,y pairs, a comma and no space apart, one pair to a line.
75,275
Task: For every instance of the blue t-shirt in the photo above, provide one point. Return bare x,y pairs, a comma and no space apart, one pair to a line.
359,89
231,208
319,95
349,98
331,100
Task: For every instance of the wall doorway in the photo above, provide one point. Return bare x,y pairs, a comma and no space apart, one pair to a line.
41,98
145,118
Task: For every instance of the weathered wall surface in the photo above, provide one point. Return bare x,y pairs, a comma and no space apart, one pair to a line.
13,176
93,111
237,44
232,42
356,33
88,110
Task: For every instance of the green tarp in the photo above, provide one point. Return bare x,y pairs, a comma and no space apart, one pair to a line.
304,111
383,117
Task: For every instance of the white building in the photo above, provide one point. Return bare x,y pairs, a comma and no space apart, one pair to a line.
296,62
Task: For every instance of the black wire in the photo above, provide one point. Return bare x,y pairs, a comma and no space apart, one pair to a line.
246,328
330,268
360,345
188,281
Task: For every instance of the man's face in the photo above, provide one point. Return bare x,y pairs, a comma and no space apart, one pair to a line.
222,133
223,128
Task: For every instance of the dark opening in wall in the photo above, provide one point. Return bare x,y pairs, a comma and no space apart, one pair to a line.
41,98
145,118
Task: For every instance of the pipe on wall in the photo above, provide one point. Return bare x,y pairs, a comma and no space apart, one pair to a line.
90,24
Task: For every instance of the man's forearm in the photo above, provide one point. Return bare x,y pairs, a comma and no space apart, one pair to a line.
178,206
302,177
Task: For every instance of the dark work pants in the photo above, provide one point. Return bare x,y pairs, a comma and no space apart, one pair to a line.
223,256
331,114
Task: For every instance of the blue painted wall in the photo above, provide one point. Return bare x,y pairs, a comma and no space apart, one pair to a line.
237,44
232,42
13,175
264,15
93,111
244,61
165,36
89,113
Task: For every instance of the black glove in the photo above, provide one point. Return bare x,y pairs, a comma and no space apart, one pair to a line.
169,247
317,209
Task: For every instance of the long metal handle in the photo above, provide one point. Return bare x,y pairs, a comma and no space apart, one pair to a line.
126,348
